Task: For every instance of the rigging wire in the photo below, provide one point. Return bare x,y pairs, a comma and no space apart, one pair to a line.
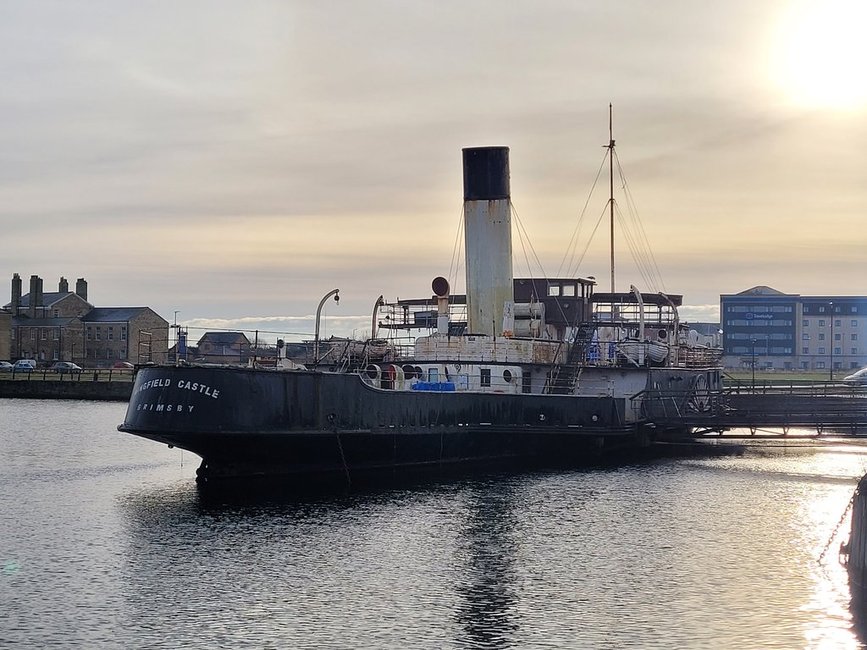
455,264
525,240
573,241
524,235
630,224
629,235
643,241
569,271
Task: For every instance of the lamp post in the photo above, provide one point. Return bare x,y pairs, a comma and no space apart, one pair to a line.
175,327
753,364
831,367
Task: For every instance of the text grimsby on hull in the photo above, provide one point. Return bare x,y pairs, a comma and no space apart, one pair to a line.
523,369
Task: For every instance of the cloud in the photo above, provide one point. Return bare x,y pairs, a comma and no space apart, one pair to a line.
229,161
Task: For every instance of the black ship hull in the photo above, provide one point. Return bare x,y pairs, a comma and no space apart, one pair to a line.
249,422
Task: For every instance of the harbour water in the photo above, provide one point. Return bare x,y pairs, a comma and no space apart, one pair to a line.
105,541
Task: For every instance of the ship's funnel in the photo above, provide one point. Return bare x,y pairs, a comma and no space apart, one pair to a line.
487,238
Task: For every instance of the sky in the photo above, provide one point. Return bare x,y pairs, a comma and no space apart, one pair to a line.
227,164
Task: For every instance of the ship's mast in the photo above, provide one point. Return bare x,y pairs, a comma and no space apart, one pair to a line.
610,148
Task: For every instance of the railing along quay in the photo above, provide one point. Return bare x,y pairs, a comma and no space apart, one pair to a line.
821,406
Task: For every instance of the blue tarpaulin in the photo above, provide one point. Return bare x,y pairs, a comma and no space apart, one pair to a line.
436,386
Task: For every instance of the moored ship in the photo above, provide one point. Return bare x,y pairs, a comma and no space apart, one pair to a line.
527,369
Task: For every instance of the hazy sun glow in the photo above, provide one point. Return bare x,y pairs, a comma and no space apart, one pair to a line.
820,52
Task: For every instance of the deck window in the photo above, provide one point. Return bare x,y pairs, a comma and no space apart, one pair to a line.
486,376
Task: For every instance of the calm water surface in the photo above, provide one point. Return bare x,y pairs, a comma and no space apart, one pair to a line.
105,541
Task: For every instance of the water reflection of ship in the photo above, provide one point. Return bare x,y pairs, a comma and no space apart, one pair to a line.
488,580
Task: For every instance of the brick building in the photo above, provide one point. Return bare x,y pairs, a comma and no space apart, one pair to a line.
224,347
64,326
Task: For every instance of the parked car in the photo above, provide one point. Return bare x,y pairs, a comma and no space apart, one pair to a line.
123,365
5,366
24,365
66,367
857,378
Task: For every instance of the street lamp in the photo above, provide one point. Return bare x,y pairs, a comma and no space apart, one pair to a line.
831,368
753,364
175,327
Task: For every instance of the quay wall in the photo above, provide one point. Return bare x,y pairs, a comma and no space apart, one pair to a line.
118,390
857,546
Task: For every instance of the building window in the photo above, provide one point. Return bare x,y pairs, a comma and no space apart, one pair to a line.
486,376
805,337
98,333
820,365
821,311
111,334
854,350
805,350
853,337
821,337
838,350
837,322
854,323
56,313
56,334
821,351
821,322
44,334
806,323
123,333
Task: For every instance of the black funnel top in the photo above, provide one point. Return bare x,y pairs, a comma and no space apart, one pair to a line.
486,173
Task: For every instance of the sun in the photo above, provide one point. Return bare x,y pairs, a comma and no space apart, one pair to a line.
820,52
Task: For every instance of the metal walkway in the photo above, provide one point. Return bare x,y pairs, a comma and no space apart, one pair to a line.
823,407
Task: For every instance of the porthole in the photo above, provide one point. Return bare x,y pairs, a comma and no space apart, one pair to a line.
507,376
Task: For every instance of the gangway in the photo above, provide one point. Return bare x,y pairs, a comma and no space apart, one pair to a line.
821,406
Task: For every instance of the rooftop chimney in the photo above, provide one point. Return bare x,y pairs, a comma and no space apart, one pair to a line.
35,294
63,285
16,294
81,288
